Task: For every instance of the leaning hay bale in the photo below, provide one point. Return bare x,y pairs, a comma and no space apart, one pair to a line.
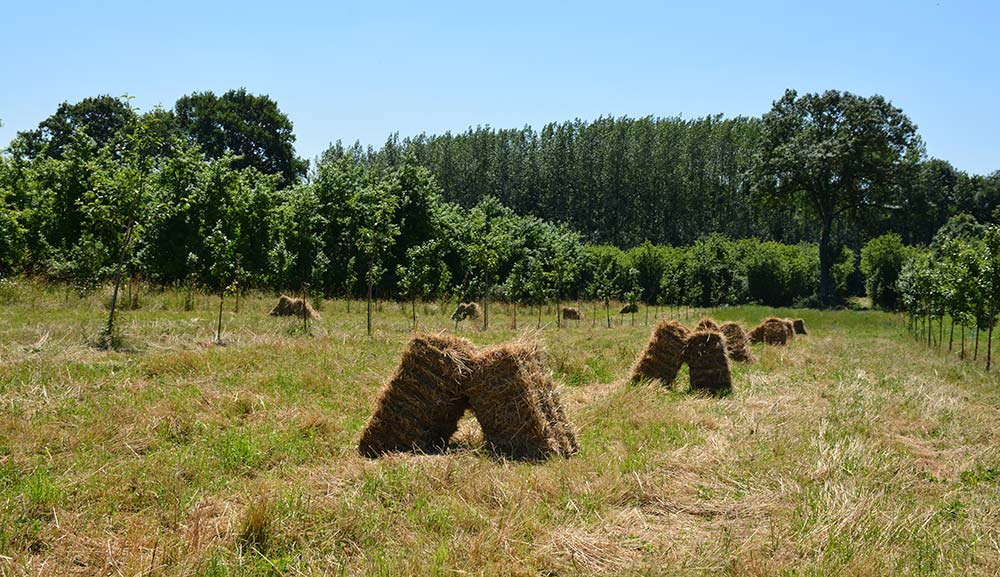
293,307
800,326
664,354
467,311
571,314
705,354
419,408
771,331
516,403
736,342
707,324
628,309
789,326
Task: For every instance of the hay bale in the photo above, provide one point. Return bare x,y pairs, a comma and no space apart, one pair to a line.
737,348
467,311
664,354
293,307
418,409
771,331
516,403
789,327
628,309
707,324
571,314
705,354
800,326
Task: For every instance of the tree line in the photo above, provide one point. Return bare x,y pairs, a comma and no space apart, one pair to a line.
210,193
952,283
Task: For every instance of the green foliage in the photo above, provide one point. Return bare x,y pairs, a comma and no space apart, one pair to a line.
834,155
882,261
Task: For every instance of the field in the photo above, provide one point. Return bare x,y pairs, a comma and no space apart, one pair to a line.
854,451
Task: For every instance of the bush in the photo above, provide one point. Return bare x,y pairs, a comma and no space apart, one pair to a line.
882,259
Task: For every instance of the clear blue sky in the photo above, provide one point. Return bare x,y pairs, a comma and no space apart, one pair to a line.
359,71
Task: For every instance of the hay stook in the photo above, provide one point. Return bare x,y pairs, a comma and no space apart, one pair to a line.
629,309
737,347
571,314
708,364
467,311
771,331
800,326
418,409
707,324
663,355
517,405
293,307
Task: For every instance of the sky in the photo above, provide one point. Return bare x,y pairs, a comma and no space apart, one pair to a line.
361,71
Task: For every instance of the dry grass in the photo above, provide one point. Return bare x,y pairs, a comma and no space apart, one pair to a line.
854,451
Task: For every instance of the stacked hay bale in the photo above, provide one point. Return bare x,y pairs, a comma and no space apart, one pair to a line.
507,387
419,408
737,347
516,403
707,324
800,326
771,331
629,308
293,307
664,354
467,311
571,314
705,355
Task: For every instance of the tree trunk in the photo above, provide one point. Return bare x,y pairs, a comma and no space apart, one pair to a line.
118,281
538,323
369,310
515,315
951,334
989,338
826,263
218,328
486,309
961,355
607,308
414,303
941,331
975,353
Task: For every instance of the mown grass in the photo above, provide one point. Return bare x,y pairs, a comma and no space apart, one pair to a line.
854,451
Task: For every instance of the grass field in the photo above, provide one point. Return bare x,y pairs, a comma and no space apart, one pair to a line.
854,451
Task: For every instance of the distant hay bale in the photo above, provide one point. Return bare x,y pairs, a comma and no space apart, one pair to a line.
571,314
293,307
418,409
736,342
707,324
467,311
789,327
628,309
664,354
516,403
771,331
708,364
800,326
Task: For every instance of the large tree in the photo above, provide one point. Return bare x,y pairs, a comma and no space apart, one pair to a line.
833,155
243,124
101,118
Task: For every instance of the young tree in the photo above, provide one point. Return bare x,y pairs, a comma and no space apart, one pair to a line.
376,234
835,155
425,275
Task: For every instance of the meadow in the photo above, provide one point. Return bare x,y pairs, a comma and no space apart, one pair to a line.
856,450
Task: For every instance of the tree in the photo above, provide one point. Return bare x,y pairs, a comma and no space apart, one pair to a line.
882,260
426,273
376,233
101,118
243,124
833,154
